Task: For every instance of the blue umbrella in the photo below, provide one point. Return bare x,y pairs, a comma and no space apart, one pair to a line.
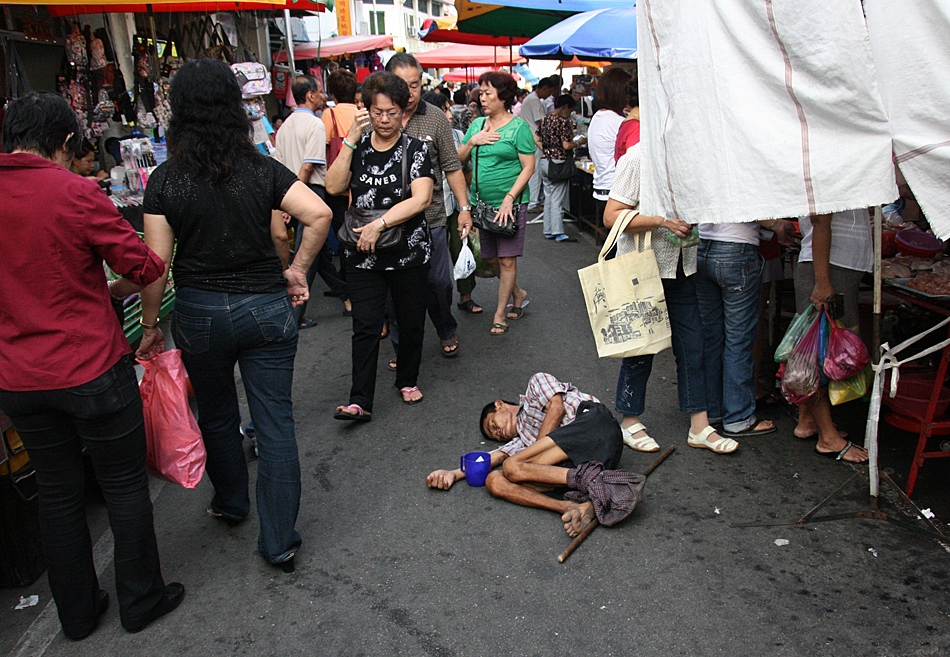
593,35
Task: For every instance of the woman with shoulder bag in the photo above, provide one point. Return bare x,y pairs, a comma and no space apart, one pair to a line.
385,236
555,139
501,147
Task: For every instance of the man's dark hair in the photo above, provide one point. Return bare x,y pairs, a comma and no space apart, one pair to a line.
402,60
460,97
303,85
551,81
40,123
209,134
435,98
633,93
503,84
564,99
342,86
488,410
387,84
611,92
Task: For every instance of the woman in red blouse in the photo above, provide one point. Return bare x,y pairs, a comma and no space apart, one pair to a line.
555,138
66,379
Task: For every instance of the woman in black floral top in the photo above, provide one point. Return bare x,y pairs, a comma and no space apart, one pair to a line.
370,166
555,138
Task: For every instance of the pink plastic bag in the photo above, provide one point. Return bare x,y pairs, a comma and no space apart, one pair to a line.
175,449
802,378
847,354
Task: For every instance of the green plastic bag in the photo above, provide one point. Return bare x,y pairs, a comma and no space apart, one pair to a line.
796,330
684,242
482,268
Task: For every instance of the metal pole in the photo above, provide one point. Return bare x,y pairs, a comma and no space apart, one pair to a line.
288,37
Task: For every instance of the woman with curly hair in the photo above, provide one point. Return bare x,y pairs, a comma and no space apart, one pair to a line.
216,196
501,147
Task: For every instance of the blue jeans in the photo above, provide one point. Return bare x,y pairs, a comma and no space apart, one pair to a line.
104,416
215,330
680,293
729,287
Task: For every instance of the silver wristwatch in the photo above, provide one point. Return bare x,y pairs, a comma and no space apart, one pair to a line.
465,208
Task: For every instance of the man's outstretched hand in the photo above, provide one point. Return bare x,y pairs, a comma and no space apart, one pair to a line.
442,479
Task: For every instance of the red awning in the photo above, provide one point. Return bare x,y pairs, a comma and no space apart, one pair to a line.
460,55
454,36
334,46
472,75
180,7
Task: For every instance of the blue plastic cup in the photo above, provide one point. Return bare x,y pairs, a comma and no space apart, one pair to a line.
476,466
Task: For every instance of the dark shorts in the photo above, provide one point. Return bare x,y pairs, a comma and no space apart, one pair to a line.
496,246
594,435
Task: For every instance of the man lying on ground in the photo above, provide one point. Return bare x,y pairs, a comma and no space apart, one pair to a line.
544,449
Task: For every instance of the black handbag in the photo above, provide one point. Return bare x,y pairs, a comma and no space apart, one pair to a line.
358,218
563,170
483,215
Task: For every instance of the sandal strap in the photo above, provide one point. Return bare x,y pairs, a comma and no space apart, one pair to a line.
844,451
409,391
633,428
724,445
704,434
359,409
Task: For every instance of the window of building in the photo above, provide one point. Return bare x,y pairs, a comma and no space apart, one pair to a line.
423,6
377,22
410,26
407,4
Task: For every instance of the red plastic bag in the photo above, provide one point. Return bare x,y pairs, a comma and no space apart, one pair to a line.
847,354
175,449
802,378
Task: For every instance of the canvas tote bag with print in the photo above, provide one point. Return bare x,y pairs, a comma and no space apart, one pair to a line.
625,300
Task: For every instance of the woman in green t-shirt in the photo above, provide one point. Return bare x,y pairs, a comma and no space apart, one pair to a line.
502,150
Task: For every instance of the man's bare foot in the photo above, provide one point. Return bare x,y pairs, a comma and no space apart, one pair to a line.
578,517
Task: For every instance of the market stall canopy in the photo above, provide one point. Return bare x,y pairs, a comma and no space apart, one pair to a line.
776,111
522,18
913,72
444,30
469,74
459,55
74,7
609,34
335,46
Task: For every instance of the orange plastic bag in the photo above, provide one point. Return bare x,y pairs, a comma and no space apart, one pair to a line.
175,449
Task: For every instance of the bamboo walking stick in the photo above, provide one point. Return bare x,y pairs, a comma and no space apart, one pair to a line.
592,525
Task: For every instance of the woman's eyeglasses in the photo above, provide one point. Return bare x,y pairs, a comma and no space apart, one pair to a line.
378,114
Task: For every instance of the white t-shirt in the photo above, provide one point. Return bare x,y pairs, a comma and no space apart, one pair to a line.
742,233
601,139
532,111
302,138
851,246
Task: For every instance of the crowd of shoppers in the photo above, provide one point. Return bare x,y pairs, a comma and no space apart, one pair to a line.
396,174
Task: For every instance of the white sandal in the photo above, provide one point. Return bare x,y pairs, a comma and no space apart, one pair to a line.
642,444
721,446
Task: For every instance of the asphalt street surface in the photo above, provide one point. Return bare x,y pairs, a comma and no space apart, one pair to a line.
389,567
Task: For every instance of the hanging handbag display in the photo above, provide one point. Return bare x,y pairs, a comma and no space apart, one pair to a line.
483,215
625,299
358,218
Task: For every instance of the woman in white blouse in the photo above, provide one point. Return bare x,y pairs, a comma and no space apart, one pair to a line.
610,100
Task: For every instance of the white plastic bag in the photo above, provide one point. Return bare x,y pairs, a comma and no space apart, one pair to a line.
465,265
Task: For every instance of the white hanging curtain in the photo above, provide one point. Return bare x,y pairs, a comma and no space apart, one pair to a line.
759,110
